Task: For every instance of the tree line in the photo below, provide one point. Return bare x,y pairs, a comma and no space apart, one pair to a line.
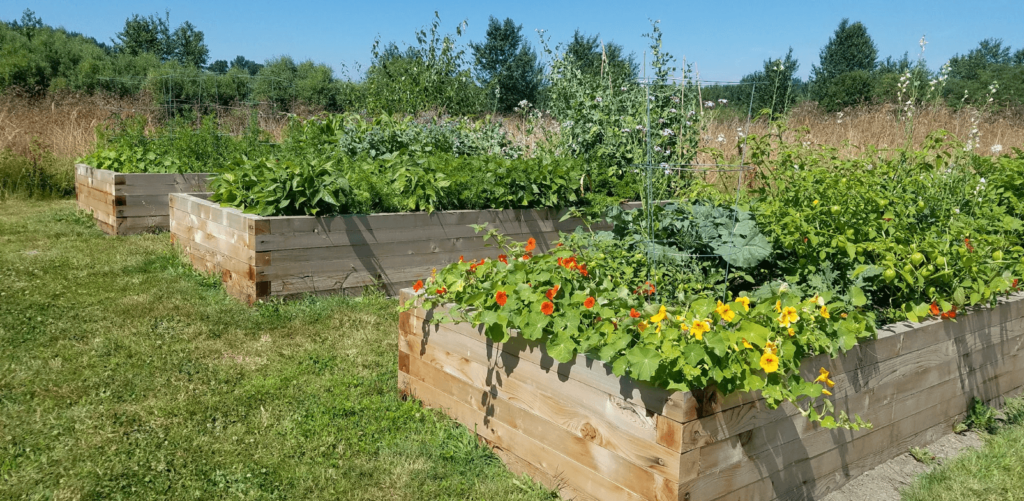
496,74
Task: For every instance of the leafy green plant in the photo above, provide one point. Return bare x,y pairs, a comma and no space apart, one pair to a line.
923,455
979,417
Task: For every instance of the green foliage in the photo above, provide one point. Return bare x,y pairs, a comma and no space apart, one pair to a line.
507,66
145,35
922,455
184,144
350,135
980,417
847,243
188,45
396,182
599,60
607,121
432,74
1013,409
843,77
40,175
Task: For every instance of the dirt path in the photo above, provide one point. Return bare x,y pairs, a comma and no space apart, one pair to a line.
883,483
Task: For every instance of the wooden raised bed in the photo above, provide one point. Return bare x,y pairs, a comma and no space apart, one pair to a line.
579,428
124,204
260,257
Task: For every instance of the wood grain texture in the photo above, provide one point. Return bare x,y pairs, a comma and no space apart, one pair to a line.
910,383
126,204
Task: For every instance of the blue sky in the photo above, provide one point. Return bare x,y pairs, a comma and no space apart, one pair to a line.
726,40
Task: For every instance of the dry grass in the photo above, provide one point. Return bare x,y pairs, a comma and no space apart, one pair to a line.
852,130
65,125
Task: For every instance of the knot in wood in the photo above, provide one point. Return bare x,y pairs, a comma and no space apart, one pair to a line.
588,431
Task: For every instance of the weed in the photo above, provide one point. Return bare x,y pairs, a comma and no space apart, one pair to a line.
1013,409
923,455
980,417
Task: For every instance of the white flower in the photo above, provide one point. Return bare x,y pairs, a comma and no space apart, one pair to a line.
784,287
997,148
721,138
709,104
983,181
957,210
671,110
723,101
667,132
598,100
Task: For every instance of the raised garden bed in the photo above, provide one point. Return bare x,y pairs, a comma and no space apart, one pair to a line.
261,257
578,427
124,204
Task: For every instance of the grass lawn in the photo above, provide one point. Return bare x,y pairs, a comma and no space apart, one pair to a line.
993,473
125,375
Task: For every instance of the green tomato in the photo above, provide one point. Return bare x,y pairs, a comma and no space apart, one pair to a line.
883,202
920,204
889,275
928,271
940,262
908,269
997,256
931,292
835,209
849,233
916,258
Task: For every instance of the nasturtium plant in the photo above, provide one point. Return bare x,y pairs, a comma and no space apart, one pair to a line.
834,247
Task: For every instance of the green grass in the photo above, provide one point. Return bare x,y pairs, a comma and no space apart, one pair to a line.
40,175
994,472
125,375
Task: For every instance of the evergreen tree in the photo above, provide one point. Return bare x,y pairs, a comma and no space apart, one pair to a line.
219,66
506,65
586,54
844,76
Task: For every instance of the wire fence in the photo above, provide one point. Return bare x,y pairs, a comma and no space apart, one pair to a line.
655,190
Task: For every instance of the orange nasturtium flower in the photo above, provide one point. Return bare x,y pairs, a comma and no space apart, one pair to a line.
935,309
500,297
547,307
699,328
442,291
552,292
769,362
745,301
824,312
633,313
503,258
418,286
788,316
589,302
530,245
725,312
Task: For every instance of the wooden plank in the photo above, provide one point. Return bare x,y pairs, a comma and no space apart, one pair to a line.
601,418
654,480
675,405
535,452
141,224
194,204
232,243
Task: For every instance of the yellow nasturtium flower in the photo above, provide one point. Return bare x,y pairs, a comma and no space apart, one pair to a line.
699,328
791,331
746,344
659,316
745,301
778,305
788,316
826,392
769,362
824,312
725,312
823,378
642,326
770,347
